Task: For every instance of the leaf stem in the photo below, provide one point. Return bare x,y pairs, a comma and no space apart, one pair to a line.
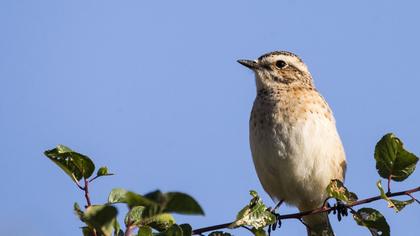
389,185
315,211
93,178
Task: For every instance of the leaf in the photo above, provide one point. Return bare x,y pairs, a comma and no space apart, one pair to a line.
100,217
336,189
373,220
255,214
117,195
258,232
144,231
77,210
120,195
134,216
396,204
103,171
219,233
117,229
174,230
401,204
159,222
186,229
87,231
74,164
392,160
183,204
175,202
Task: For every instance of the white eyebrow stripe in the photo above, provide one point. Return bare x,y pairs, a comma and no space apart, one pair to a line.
290,60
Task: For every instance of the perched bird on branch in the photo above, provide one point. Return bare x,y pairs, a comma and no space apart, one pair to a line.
294,141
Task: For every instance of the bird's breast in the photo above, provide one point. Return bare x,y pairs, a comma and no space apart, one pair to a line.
295,146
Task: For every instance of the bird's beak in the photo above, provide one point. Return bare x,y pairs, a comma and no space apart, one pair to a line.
249,63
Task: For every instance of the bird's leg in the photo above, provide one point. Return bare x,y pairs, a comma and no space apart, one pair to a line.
277,215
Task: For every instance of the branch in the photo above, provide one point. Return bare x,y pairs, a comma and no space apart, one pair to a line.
128,230
86,190
315,211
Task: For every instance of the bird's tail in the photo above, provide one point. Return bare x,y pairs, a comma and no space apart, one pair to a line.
318,225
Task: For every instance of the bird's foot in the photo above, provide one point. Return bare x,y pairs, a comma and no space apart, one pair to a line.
340,209
277,223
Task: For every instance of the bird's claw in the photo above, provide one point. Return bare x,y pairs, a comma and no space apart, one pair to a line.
340,209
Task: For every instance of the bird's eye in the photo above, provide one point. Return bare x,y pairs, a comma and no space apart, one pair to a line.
280,64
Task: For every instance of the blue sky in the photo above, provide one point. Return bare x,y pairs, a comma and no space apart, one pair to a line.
153,91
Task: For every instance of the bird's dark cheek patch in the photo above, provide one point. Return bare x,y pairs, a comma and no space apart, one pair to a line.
277,79
281,80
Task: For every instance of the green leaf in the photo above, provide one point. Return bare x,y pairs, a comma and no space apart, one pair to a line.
175,202
134,216
177,230
74,164
117,229
259,232
117,195
174,230
183,204
87,231
159,222
373,220
392,203
255,214
77,210
186,229
100,217
144,231
336,189
219,233
103,171
392,160
120,195
401,204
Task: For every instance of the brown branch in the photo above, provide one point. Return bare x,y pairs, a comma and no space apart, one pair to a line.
86,190
315,211
128,230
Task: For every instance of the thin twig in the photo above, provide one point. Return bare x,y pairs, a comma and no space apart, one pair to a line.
306,225
93,178
250,230
80,186
412,197
277,206
315,211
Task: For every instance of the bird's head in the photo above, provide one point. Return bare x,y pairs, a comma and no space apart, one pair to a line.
279,69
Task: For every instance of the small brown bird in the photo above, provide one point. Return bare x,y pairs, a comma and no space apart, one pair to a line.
294,141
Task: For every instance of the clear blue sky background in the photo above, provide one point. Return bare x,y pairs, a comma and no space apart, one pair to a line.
153,91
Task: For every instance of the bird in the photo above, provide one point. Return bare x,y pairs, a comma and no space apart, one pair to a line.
295,145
